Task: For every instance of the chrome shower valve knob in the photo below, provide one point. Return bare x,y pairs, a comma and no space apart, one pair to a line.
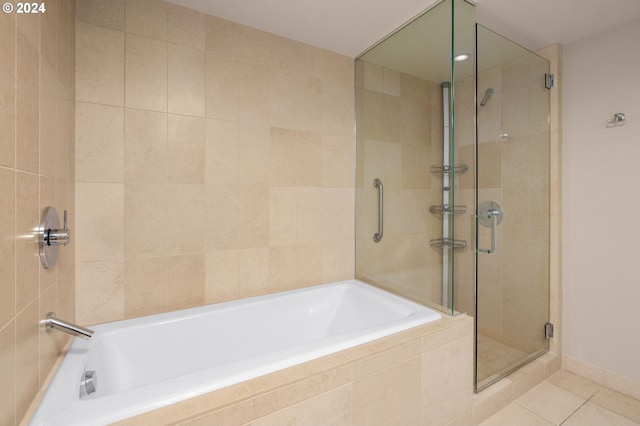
57,237
50,236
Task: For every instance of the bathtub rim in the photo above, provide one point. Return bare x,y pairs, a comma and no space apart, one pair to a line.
194,312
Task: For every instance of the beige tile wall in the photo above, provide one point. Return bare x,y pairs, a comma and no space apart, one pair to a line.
214,161
395,134
36,170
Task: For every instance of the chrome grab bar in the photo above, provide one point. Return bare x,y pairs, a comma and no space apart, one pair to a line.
378,235
52,322
490,214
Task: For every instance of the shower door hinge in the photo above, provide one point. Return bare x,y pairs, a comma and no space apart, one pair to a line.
548,330
548,81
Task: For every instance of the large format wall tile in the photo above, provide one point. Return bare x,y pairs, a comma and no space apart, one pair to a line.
224,154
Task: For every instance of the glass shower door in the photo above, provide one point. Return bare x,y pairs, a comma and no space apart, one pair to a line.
512,206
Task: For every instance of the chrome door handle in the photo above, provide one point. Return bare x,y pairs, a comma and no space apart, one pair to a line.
378,235
490,215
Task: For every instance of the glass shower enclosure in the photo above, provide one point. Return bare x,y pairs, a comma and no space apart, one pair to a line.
452,182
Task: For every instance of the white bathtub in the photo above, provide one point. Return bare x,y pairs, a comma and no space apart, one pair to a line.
148,363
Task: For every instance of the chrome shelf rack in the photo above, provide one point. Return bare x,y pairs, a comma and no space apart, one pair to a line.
448,209
448,168
448,243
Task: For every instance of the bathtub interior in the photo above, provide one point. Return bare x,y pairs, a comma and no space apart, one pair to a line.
149,362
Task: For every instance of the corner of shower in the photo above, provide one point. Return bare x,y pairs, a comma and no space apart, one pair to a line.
448,201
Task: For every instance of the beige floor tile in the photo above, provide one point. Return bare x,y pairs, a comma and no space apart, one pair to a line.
574,383
514,414
494,358
618,403
551,402
592,415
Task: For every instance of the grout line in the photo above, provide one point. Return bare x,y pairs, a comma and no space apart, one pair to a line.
575,411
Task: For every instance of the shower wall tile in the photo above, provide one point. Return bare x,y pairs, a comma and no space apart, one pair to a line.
295,158
222,161
7,246
144,207
337,68
100,295
223,86
238,217
337,160
292,267
27,104
293,57
29,25
27,357
391,82
99,65
8,374
48,342
48,138
38,120
145,146
236,153
186,214
186,81
185,149
48,33
283,216
337,108
99,153
147,18
373,77
235,144
7,89
236,274
490,165
253,148
145,286
186,27
27,258
145,80
338,260
100,229
296,102
104,13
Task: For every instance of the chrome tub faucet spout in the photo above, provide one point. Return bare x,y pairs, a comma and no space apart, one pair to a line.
52,322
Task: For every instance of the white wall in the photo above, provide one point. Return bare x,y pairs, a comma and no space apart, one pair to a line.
601,202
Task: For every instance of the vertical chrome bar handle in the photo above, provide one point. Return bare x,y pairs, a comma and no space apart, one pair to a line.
490,215
494,229
378,235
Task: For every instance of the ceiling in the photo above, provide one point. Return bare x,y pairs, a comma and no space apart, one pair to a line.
351,26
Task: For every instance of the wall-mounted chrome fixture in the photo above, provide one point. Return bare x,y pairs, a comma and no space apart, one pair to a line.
490,215
618,120
51,322
50,236
378,235
88,384
487,94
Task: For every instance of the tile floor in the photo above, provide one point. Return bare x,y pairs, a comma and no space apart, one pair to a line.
569,400
494,358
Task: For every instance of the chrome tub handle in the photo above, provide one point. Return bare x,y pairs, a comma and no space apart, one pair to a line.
378,235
